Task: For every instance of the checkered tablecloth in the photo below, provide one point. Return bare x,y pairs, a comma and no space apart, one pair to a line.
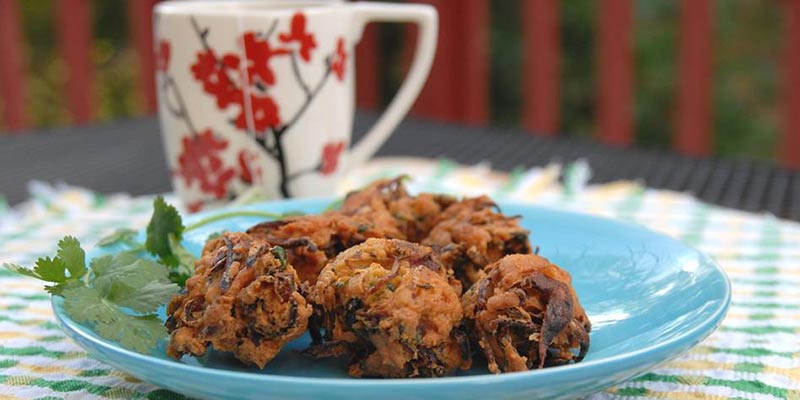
754,355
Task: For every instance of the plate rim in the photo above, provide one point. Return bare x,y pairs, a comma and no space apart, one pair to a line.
610,364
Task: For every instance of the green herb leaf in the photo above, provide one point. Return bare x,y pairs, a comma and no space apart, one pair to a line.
21,270
120,289
84,304
102,266
124,273
186,260
73,256
165,221
139,333
51,269
119,236
145,299
70,259
99,265
279,253
135,332
58,288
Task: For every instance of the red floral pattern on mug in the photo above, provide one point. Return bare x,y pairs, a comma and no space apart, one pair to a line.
264,112
201,161
205,65
162,56
195,206
339,59
215,74
259,53
248,167
248,83
299,34
330,157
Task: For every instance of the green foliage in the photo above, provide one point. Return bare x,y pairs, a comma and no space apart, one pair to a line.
747,47
73,256
66,268
578,84
119,236
165,222
163,240
655,48
118,298
180,272
506,62
138,332
50,269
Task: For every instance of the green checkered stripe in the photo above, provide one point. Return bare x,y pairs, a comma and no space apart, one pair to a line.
754,355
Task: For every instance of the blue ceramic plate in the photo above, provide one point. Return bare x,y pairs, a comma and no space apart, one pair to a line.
650,299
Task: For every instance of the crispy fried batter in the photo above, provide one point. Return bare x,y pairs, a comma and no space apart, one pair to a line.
472,233
525,314
312,240
242,298
387,202
383,209
466,207
388,304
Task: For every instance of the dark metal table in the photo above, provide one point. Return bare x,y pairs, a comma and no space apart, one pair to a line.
127,156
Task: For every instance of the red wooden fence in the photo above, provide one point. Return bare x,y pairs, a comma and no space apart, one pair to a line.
13,68
615,72
541,62
141,27
693,120
458,86
790,151
74,37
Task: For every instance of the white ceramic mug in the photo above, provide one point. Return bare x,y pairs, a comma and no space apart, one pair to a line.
260,93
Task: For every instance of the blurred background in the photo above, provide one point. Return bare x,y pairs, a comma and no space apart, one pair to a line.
498,61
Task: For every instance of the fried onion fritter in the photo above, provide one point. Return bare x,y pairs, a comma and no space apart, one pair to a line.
524,313
383,209
387,202
389,306
244,298
312,240
472,233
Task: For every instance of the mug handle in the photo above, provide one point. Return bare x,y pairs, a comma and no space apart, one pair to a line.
426,18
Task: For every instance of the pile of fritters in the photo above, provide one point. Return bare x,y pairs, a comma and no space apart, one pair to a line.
380,281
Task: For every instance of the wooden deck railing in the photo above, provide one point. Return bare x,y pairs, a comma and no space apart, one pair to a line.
13,69
74,38
458,87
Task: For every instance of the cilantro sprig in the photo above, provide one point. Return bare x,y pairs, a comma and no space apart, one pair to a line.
121,235
116,294
67,268
162,241
165,233
119,294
